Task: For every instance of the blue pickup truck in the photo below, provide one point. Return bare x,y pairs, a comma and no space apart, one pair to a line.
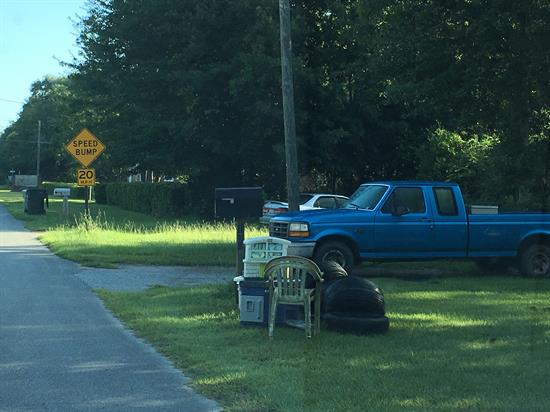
409,220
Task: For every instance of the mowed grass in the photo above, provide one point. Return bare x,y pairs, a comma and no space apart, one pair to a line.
54,216
454,344
173,244
113,236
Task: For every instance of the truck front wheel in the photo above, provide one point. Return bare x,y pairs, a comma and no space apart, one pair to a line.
535,261
335,251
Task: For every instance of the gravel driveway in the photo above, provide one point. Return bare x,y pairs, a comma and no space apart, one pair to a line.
136,277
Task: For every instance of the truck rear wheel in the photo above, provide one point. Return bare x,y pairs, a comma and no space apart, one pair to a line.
335,251
535,261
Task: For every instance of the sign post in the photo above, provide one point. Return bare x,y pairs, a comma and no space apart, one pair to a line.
85,148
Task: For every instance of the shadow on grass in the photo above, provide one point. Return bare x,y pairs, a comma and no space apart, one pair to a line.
470,343
421,271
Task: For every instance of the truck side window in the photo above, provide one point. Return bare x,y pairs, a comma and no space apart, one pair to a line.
445,200
410,198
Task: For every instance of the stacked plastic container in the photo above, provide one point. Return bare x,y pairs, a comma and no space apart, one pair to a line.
259,251
253,298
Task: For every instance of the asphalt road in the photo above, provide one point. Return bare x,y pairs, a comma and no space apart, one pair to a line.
61,350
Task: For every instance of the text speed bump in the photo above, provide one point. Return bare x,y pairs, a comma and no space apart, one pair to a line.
85,177
85,147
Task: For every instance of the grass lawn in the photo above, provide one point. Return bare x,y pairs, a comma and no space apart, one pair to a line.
113,236
54,217
455,343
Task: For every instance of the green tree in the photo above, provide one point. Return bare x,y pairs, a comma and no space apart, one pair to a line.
198,95
384,89
50,102
476,65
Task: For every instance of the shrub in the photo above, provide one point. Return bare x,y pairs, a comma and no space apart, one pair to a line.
100,194
157,199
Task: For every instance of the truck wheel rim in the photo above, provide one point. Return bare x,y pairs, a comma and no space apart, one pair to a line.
540,263
336,256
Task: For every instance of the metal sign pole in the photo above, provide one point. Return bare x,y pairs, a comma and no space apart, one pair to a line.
86,202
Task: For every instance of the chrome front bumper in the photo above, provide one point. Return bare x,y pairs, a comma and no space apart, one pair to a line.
304,249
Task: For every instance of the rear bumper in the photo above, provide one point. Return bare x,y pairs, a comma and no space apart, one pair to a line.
304,249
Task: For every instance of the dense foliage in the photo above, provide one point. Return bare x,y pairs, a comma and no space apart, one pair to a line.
384,89
156,199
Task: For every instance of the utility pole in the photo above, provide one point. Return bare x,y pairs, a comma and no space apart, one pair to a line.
38,155
291,155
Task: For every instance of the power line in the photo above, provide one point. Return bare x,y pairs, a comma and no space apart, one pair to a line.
11,101
26,141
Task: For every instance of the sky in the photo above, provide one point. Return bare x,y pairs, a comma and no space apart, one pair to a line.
34,35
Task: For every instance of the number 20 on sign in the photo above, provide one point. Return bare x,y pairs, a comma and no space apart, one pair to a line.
85,177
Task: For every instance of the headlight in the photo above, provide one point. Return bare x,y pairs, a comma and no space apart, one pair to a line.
298,230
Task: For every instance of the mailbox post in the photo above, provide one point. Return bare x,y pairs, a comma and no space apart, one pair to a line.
239,203
65,193
239,265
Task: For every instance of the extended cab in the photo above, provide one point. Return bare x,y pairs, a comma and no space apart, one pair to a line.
417,220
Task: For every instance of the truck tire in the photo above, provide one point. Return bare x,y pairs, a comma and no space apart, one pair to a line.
335,251
535,261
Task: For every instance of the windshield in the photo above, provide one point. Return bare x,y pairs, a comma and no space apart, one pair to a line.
304,198
366,197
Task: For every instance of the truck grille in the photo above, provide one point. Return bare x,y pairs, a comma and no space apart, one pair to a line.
278,229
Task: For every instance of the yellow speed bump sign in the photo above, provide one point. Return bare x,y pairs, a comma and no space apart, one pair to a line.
85,177
85,147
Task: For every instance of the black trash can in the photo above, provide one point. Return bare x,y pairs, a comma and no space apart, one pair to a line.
35,200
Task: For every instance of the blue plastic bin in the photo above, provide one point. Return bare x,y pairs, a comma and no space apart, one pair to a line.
254,304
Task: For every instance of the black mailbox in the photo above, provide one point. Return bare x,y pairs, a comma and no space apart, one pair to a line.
239,202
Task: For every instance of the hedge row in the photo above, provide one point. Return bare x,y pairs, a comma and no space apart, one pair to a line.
157,199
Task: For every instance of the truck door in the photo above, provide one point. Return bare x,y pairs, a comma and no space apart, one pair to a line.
404,225
451,227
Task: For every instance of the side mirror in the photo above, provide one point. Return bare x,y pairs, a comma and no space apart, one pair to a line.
401,210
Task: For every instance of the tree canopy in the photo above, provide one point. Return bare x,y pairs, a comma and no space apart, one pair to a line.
451,90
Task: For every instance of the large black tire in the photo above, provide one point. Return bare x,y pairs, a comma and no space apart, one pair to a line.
335,251
353,295
535,261
332,270
343,322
